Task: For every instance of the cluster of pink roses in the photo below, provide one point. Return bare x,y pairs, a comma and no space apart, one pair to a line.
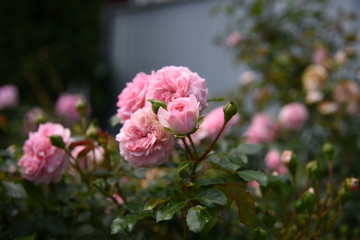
144,142
264,129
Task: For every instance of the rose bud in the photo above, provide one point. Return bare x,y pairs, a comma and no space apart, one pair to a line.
181,116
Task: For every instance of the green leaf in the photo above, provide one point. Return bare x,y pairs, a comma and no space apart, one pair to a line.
14,190
211,198
215,215
168,212
57,141
280,184
183,165
249,149
209,181
244,201
196,218
124,223
249,175
153,202
238,159
223,162
114,120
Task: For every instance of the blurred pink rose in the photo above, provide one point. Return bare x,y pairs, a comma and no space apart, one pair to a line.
9,96
340,56
66,106
293,116
233,39
262,129
320,55
42,162
89,161
181,115
273,162
314,96
253,184
314,77
212,125
328,107
247,77
142,141
172,82
31,118
132,97
345,91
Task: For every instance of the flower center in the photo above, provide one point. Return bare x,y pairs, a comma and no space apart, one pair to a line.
180,107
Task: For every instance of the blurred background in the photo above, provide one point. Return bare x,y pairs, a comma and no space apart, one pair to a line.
95,47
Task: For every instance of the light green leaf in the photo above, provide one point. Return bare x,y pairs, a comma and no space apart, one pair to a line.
211,198
168,212
124,223
238,159
249,175
14,190
197,217
183,165
153,202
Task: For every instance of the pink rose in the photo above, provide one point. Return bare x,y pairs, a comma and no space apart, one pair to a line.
89,161
293,116
9,96
212,125
42,162
273,162
181,115
66,106
262,129
132,97
142,140
233,39
172,82
320,55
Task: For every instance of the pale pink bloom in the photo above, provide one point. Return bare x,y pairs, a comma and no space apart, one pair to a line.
340,56
314,96
327,107
247,77
89,161
293,116
66,106
233,39
320,55
9,96
132,97
273,162
263,129
181,115
42,162
31,117
253,184
212,125
143,142
117,198
286,157
172,82
345,91
314,77
272,159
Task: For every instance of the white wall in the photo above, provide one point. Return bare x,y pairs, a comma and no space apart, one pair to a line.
178,34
